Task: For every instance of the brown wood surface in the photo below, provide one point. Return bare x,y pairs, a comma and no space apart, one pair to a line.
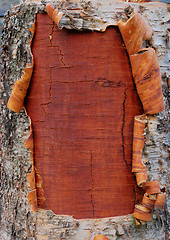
82,101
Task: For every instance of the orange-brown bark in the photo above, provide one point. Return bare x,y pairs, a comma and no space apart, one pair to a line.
148,202
138,143
147,76
53,13
134,31
148,82
82,102
160,200
101,237
145,67
146,73
142,213
152,187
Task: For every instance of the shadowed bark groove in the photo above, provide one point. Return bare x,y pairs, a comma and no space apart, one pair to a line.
122,129
92,183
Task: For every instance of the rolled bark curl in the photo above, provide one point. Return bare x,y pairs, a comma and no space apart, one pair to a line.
147,77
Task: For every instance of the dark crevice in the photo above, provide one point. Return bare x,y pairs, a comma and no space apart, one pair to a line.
45,104
92,181
61,55
122,129
44,112
50,86
128,11
141,52
51,34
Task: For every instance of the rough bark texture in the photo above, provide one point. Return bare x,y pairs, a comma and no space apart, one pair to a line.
17,219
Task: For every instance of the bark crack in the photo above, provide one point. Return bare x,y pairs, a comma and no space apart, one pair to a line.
49,91
61,55
51,34
122,129
92,181
50,86
45,113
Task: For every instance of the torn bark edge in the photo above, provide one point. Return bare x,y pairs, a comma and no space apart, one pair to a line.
36,195
138,166
133,31
147,77
19,90
144,63
53,13
32,195
16,103
154,196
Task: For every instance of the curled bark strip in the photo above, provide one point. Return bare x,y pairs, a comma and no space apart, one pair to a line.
134,31
152,187
101,237
50,9
147,77
146,73
160,200
19,90
138,144
148,202
141,178
145,67
142,213
153,196
54,14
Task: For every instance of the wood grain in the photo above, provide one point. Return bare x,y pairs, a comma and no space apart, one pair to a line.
82,101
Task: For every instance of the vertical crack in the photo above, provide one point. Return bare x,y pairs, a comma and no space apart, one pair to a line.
58,47
44,111
122,129
92,181
51,34
50,86
61,55
49,92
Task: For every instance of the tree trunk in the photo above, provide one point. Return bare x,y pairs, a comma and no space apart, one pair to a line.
93,213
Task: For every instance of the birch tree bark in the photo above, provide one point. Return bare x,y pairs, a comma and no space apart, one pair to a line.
17,219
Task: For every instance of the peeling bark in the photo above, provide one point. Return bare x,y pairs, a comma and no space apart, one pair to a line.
84,97
17,219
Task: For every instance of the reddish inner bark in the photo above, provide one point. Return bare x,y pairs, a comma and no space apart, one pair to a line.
82,101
